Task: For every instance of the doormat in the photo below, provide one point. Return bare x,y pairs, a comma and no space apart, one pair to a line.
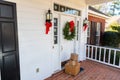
81,69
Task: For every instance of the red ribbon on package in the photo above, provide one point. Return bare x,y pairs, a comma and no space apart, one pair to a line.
71,26
48,25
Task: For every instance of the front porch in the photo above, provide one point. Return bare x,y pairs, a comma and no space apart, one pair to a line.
92,71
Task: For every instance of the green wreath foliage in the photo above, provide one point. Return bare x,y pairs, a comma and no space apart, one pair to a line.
68,35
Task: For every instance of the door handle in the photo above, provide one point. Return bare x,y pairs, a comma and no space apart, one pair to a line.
53,47
0,64
61,47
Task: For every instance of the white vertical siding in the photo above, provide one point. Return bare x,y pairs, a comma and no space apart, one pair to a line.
83,35
35,47
80,4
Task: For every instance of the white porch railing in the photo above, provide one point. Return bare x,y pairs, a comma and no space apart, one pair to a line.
105,55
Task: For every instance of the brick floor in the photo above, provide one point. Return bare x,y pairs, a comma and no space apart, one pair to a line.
92,71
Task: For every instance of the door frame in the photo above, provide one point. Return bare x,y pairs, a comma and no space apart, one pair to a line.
16,37
79,36
58,45
76,19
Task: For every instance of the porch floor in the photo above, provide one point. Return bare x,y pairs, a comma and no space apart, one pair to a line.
92,71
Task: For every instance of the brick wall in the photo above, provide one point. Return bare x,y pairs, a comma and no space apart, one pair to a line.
102,21
96,19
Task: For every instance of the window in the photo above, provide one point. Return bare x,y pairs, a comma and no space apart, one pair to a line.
55,31
98,29
93,33
88,32
77,30
62,8
56,7
98,33
66,10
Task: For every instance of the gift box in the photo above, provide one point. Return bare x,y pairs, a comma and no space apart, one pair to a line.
73,66
71,62
72,69
74,57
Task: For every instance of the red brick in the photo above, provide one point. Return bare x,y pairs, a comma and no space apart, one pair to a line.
92,71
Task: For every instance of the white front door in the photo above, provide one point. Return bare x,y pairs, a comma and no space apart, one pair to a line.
67,47
56,44
63,48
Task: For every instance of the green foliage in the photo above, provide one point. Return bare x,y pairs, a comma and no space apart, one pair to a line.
115,6
66,32
110,8
116,27
111,39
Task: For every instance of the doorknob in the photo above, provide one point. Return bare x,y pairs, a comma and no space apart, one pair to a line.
0,61
61,47
53,47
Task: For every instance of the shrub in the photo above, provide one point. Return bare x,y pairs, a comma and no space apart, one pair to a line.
117,28
111,39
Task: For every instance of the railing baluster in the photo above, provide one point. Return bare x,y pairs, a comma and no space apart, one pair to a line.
92,52
100,55
96,53
109,56
88,51
114,57
119,61
104,54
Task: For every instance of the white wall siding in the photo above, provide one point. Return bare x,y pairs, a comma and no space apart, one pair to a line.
72,3
35,47
83,36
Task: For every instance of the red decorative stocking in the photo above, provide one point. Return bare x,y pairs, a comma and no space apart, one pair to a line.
85,27
48,25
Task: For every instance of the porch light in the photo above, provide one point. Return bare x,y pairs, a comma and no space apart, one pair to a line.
48,16
85,24
48,23
85,21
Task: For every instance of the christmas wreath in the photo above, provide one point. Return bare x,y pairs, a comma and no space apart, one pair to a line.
69,31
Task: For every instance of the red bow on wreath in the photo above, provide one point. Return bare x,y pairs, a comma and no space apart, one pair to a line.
71,26
48,25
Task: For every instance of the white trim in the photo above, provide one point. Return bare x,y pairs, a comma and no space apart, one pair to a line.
105,47
105,63
93,13
61,13
99,56
58,44
74,7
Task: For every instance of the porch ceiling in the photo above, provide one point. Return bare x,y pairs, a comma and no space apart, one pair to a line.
94,2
